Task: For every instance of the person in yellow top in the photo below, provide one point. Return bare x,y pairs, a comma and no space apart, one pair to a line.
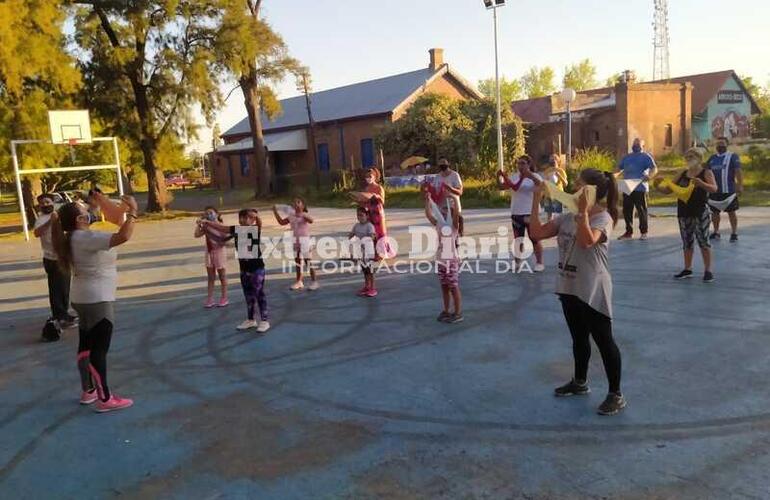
555,173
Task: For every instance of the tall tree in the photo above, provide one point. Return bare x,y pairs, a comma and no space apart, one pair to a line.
510,90
36,75
759,123
538,82
148,63
258,58
581,76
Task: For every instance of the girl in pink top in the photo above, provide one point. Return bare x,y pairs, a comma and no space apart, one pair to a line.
300,221
215,257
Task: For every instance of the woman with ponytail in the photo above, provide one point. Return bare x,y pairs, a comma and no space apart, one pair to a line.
585,283
92,261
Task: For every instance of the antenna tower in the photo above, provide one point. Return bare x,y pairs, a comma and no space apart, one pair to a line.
660,70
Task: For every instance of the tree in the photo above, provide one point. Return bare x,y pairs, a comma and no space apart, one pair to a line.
148,63
36,75
581,76
462,131
510,90
760,124
257,57
215,140
538,82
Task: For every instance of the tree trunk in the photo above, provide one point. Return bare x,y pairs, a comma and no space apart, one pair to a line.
253,107
157,195
31,188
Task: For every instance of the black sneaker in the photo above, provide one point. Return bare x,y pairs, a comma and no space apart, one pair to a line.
455,318
612,405
715,236
683,275
626,236
444,317
733,238
572,388
708,277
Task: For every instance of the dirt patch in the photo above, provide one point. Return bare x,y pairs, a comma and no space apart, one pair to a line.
242,438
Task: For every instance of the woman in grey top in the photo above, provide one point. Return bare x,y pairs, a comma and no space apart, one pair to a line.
585,283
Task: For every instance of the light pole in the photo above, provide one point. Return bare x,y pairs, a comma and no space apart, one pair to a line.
568,96
493,5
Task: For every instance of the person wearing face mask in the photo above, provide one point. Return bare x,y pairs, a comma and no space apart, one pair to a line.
584,286
693,214
729,178
447,184
636,165
92,259
58,278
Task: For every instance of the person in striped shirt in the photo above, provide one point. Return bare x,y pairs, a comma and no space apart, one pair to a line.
726,167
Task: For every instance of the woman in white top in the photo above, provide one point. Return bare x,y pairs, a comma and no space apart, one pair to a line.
92,260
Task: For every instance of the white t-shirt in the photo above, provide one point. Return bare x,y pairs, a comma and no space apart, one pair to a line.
45,239
521,200
452,180
94,267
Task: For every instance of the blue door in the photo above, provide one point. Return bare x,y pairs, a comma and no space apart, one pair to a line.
324,164
367,153
244,165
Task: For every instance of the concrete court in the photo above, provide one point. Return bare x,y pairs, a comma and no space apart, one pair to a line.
372,398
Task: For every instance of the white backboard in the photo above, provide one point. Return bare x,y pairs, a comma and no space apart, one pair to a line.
70,126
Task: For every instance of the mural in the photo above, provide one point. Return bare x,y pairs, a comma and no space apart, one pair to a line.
730,124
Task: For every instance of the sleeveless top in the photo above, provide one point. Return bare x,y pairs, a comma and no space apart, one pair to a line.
698,202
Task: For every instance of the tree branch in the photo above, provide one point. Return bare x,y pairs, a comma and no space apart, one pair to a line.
107,27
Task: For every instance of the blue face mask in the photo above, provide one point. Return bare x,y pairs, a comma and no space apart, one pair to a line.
636,149
211,216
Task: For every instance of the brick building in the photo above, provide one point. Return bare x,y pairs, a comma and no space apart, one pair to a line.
669,115
346,120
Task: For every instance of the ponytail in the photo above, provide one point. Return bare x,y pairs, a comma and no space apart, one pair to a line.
606,187
61,234
612,197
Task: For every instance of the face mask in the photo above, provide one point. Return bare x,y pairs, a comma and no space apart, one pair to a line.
552,163
47,209
211,216
443,167
636,149
721,149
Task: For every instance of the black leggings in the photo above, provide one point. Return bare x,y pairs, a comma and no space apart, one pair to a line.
584,322
93,345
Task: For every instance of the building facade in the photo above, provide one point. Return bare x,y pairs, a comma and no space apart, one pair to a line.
346,121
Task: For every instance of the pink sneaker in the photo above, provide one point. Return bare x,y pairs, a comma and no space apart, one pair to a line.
362,292
223,302
372,292
112,404
209,303
86,397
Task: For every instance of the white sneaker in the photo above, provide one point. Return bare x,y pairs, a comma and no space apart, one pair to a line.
297,286
249,323
263,326
539,268
314,285
643,236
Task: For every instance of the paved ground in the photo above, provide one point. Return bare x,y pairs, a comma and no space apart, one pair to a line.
354,398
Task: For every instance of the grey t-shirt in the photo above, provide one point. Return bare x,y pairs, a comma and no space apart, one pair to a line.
585,272
363,230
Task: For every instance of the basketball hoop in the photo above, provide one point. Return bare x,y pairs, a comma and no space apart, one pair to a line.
72,142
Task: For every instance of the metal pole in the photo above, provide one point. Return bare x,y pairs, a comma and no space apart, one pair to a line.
569,134
117,165
497,92
18,190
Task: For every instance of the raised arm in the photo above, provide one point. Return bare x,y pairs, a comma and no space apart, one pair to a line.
127,228
537,230
709,184
38,231
428,211
307,217
586,236
278,217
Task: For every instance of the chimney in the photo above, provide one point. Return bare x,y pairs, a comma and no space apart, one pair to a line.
436,59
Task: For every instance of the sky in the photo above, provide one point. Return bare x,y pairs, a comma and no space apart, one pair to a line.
348,41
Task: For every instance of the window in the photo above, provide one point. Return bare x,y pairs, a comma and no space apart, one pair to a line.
323,157
596,136
367,153
669,135
244,165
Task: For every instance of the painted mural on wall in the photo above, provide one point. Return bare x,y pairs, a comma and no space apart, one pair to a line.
730,124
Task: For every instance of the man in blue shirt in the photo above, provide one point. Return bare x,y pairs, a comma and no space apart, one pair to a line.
636,165
727,172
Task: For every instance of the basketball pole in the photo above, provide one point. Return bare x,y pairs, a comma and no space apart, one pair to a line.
117,165
24,222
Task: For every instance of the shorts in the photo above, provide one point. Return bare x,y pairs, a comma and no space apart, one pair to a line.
520,225
216,259
732,207
695,228
366,267
303,251
552,206
448,272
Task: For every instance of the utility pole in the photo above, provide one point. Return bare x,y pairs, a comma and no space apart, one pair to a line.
304,86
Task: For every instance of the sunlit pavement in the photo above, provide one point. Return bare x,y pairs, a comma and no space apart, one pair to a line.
372,398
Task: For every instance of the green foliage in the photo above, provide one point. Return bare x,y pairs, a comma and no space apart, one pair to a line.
593,157
510,90
581,76
538,82
671,161
462,131
760,124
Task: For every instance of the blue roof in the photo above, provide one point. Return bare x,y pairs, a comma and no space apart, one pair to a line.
359,99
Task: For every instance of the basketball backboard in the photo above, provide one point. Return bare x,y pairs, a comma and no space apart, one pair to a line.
70,126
